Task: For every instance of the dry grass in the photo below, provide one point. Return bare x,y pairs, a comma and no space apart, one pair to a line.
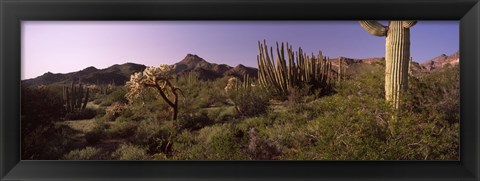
84,126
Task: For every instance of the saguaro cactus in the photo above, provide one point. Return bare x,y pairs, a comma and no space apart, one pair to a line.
396,56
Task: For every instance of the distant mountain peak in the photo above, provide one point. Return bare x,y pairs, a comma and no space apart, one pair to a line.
208,70
240,66
91,68
191,61
192,55
441,60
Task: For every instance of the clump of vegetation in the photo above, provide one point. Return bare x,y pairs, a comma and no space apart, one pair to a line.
248,100
130,152
218,142
123,129
237,119
88,153
195,121
41,138
85,114
155,136
47,142
114,111
40,107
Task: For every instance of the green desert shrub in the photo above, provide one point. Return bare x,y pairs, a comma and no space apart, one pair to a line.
150,106
222,114
156,136
296,95
118,95
436,96
88,153
130,152
357,124
41,139
39,107
249,101
368,81
261,148
88,113
222,142
48,142
122,129
217,142
194,121
199,93
187,147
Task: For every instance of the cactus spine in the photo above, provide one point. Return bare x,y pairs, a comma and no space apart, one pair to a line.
75,97
301,69
396,56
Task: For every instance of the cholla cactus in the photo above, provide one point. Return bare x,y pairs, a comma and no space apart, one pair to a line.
232,84
115,109
158,78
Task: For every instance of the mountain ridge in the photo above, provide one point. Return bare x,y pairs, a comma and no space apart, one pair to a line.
118,74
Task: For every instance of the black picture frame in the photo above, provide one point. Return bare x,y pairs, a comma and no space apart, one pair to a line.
12,12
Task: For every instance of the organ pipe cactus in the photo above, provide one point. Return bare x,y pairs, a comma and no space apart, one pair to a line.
75,97
301,69
397,55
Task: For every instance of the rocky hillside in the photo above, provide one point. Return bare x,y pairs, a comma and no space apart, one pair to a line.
441,60
115,74
212,70
119,74
429,65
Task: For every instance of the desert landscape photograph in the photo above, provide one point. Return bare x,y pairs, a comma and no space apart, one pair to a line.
240,90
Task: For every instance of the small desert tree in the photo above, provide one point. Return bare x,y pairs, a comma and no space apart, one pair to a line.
158,78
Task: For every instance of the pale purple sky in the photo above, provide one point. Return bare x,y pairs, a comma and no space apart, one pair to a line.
67,46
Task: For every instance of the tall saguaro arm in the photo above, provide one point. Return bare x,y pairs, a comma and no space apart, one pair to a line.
374,28
408,24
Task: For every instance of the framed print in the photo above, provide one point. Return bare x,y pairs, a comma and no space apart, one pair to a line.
247,90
